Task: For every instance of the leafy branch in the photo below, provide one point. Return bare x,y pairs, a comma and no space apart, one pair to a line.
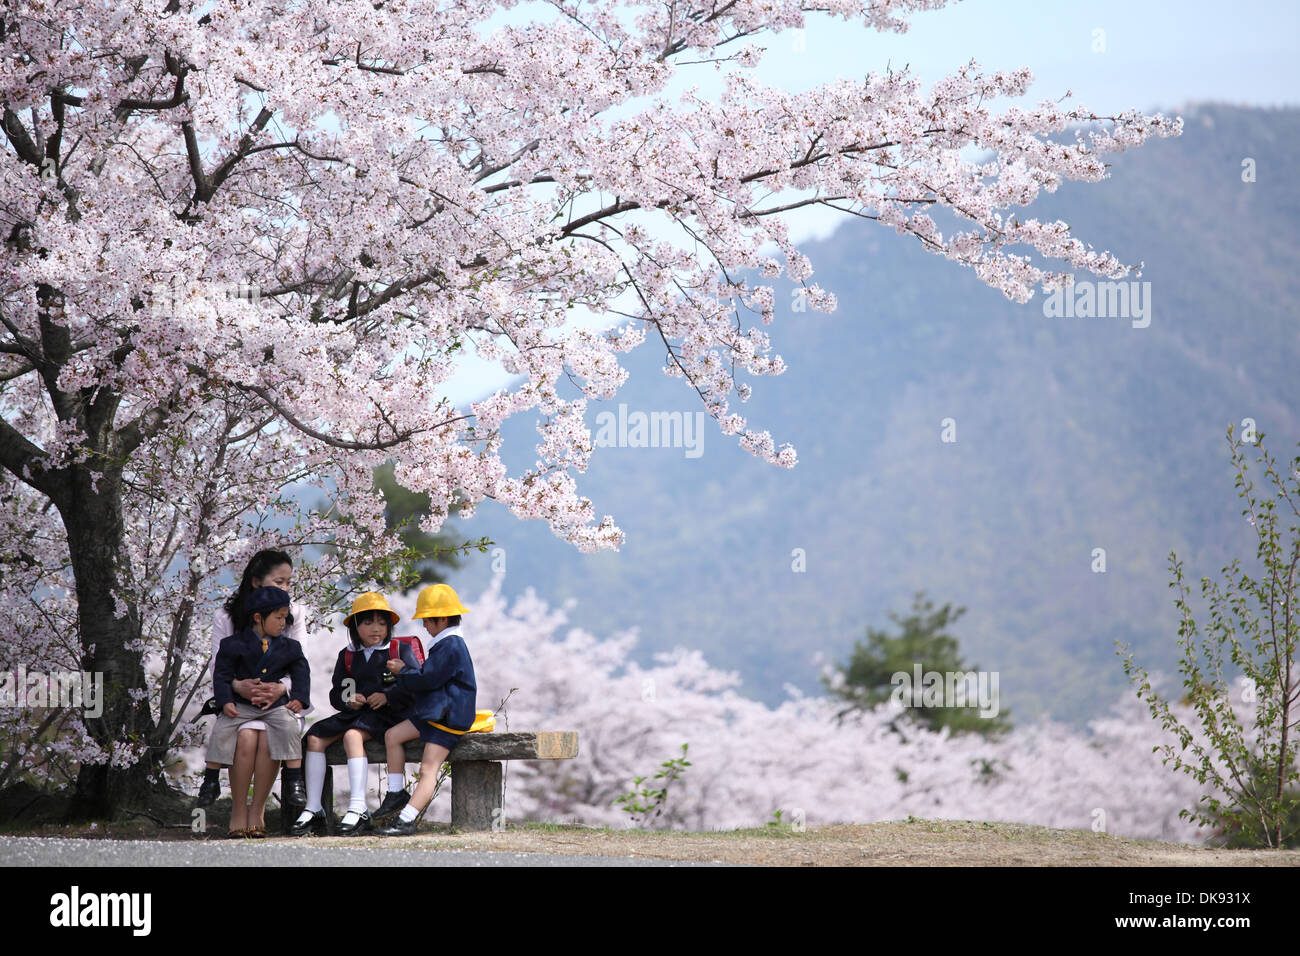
646,803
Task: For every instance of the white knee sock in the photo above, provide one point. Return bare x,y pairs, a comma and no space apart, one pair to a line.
313,772
357,781
396,781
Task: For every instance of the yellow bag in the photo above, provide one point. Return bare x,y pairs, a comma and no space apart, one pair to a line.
484,722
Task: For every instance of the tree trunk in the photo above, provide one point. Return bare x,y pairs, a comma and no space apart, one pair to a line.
93,519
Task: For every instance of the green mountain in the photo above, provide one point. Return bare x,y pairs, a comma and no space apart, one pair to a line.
1071,434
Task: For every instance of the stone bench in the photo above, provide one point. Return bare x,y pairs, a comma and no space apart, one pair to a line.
477,788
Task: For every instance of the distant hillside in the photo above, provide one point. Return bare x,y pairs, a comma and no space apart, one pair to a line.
1072,434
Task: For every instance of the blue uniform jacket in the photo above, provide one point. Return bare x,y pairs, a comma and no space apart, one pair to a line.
240,657
368,674
443,690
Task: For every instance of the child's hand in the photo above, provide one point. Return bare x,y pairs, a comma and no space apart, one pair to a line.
395,665
358,701
378,700
293,705
230,710
264,694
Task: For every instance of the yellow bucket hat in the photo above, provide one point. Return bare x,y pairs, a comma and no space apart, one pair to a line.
438,600
371,601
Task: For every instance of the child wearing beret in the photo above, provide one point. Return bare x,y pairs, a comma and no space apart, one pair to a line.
264,652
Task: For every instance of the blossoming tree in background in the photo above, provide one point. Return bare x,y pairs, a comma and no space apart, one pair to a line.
748,760
247,246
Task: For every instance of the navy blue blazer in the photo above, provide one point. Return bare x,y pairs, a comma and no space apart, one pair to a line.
240,657
443,690
368,674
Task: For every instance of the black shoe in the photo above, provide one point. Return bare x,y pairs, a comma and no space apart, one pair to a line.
294,793
397,828
209,790
392,804
315,826
363,825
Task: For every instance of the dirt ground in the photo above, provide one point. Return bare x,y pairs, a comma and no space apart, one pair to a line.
910,843
900,843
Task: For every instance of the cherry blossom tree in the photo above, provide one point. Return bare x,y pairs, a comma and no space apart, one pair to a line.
249,243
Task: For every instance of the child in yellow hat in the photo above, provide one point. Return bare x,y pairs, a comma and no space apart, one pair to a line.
359,674
440,699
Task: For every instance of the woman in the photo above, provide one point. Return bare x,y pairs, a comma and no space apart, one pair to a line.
267,568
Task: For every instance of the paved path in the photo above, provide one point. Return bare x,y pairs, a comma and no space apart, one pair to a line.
40,851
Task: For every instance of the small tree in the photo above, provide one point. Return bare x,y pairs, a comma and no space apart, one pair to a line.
431,554
646,805
1249,758
868,677
424,557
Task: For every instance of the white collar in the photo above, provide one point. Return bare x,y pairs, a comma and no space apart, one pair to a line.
358,646
445,632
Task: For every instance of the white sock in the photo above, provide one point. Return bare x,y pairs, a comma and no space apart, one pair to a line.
313,772
408,814
357,781
351,818
396,781
304,816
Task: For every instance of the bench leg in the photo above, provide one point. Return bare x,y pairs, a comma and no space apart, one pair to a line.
477,795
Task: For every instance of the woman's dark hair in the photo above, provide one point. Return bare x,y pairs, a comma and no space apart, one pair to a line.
259,566
365,616
453,621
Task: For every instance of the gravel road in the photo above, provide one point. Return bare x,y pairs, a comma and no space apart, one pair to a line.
39,851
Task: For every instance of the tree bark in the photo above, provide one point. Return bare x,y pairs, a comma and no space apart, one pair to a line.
92,515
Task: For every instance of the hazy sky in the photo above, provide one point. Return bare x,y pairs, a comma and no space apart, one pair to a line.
1157,55
1154,55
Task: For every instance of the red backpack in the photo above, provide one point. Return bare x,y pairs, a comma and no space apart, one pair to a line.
394,651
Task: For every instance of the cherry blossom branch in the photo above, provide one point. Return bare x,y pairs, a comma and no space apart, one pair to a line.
347,444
